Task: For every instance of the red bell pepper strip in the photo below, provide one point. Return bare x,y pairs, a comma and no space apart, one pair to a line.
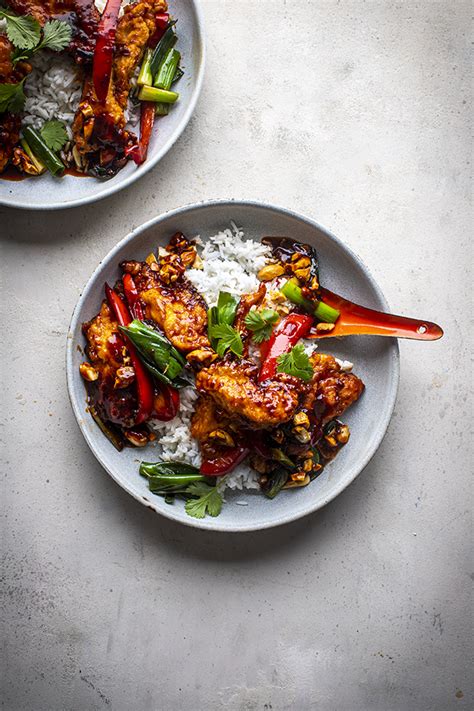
104,49
143,378
284,337
223,463
161,23
131,294
166,404
147,118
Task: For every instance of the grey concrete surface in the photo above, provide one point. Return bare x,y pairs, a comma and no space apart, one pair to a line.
355,113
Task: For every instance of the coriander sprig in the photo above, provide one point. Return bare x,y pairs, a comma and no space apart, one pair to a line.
261,323
296,362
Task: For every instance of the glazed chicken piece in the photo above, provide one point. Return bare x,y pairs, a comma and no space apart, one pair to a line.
206,419
234,388
9,123
172,302
331,391
82,15
109,369
99,128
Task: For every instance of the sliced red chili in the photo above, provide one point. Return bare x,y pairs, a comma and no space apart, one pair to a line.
133,299
143,379
104,48
284,337
139,152
166,403
224,463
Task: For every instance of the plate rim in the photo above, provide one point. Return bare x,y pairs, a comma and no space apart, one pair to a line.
207,524
150,163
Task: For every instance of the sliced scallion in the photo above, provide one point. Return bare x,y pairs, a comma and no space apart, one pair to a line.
167,69
151,93
41,150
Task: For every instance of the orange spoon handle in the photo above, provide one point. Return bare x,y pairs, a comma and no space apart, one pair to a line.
358,320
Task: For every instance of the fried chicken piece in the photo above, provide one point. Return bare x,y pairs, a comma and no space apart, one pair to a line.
175,306
331,391
180,311
234,388
205,419
134,29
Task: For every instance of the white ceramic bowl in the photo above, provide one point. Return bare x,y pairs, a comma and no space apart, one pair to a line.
50,193
376,361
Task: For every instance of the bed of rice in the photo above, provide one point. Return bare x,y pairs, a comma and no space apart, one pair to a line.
230,263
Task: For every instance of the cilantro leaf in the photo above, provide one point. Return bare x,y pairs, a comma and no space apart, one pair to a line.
54,134
261,323
12,97
228,339
296,362
24,32
56,35
226,308
209,500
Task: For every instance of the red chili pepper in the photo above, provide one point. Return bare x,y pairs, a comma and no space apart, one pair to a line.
166,403
284,337
143,378
104,48
131,294
138,153
161,24
224,463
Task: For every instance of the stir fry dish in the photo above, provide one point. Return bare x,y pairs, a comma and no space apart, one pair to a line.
74,80
221,381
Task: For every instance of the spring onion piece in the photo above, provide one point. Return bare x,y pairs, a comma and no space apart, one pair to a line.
162,109
278,455
276,483
151,93
155,350
167,70
38,165
145,76
42,151
162,48
322,311
170,477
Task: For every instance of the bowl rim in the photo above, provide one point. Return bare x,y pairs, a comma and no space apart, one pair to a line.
206,523
150,162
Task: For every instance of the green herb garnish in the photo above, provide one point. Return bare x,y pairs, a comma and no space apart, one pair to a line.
226,308
209,500
54,134
56,36
261,323
12,97
22,31
171,479
296,363
227,338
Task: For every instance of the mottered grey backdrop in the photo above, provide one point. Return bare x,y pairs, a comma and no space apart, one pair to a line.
356,114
